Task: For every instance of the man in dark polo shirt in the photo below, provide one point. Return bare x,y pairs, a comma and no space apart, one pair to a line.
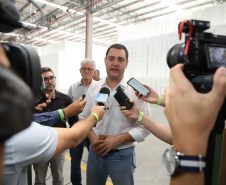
58,101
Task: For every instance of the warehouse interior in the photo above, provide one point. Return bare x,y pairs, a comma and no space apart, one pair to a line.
63,32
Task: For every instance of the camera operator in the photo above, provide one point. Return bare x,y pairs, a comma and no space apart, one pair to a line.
191,116
5,62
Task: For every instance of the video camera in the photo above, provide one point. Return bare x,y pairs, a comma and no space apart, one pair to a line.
202,53
205,53
20,83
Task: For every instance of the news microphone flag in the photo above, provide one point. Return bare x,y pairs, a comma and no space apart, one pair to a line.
101,99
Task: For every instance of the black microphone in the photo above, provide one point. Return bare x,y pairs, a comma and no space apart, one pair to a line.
102,96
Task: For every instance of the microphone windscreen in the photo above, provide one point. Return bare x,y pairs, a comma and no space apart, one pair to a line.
105,90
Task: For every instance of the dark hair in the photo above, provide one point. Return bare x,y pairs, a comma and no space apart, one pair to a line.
46,69
118,46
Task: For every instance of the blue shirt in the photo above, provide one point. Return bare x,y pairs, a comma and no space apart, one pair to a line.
47,118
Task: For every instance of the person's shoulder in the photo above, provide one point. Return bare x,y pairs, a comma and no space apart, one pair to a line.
62,95
75,84
95,83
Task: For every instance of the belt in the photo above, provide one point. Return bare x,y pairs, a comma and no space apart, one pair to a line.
114,150
117,150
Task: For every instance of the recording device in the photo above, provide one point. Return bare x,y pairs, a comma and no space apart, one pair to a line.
83,96
202,53
20,83
102,96
42,98
122,99
137,86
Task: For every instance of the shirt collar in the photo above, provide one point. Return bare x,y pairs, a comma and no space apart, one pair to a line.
123,83
80,83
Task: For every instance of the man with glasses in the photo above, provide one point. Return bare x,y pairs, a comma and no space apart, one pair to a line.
58,101
77,90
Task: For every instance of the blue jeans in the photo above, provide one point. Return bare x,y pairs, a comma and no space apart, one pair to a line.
76,157
120,166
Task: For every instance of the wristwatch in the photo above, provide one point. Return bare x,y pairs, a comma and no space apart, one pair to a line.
175,162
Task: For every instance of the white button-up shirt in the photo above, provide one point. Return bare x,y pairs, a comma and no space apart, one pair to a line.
114,121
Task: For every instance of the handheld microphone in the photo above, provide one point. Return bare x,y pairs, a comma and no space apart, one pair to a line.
102,96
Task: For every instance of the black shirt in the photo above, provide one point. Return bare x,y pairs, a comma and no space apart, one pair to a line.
60,101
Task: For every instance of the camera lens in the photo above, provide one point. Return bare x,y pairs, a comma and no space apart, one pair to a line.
176,55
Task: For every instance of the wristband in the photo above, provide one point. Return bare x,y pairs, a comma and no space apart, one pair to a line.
95,116
140,117
61,114
159,100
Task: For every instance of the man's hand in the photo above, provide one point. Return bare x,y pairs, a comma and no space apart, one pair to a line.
105,144
192,115
152,97
40,107
76,107
133,113
93,138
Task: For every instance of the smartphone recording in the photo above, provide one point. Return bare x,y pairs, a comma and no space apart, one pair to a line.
137,86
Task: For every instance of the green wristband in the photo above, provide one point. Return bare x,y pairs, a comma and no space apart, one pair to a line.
140,117
159,100
95,116
61,114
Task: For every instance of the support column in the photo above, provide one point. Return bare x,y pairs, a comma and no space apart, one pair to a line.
89,33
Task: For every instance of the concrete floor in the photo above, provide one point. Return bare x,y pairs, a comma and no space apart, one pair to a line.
149,169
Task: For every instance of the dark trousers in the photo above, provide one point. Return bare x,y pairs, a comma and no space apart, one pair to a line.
76,157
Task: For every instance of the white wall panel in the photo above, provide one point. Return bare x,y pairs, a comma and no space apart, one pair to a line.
161,35
64,58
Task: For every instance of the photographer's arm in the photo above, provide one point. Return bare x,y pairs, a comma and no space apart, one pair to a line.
191,116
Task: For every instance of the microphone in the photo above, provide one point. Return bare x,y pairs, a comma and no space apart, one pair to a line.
102,96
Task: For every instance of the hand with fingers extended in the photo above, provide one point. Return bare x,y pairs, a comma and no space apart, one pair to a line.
191,114
152,98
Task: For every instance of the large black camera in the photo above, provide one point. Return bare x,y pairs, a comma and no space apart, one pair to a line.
20,83
201,57
206,53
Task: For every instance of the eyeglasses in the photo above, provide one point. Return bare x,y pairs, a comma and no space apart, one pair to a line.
89,69
51,78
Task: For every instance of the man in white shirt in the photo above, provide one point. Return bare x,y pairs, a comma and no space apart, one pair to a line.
113,139
77,90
